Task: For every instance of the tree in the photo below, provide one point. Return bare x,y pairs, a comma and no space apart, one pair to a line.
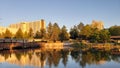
25,36
104,35
114,30
80,26
7,34
49,30
56,32
30,33
43,33
74,33
86,31
63,34
37,35
1,35
19,34
94,37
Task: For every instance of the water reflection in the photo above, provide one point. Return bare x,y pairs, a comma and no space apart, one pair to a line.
58,58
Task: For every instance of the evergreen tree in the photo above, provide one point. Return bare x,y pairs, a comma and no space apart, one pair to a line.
43,33
19,34
74,33
38,35
7,34
63,34
30,33
25,36
114,30
80,26
49,30
56,32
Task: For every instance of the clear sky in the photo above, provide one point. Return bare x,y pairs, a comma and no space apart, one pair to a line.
64,12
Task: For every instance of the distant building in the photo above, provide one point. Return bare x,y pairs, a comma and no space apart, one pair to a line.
115,39
25,26
97,24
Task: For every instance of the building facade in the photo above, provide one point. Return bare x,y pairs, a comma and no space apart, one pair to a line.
97,24
25,26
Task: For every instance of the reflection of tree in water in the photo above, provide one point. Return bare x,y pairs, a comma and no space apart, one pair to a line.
75,55
64,56
116,58
56,58
50,59
42,58
53,57
90,58
18,55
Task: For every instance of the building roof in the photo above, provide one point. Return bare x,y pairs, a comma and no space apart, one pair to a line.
115,37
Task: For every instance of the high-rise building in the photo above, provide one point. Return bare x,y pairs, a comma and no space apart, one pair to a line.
25,26
97,24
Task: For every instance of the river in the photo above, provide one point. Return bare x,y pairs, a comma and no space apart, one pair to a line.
58,58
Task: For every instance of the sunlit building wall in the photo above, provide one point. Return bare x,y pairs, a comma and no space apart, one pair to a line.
97,24
25,26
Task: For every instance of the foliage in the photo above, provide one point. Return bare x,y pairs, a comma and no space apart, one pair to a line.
86,31
94,37
37,35
25,36
19,34
56,32
63,34
80,26
43,33
74,33
30,33
49,30
7,34
114,30
78,45
104,35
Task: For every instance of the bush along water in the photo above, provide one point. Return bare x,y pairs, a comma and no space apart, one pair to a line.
78,45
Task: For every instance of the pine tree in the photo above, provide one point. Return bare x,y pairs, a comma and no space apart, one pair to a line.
19,34
63,34
7,34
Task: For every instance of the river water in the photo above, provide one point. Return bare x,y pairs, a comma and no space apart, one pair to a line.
59,58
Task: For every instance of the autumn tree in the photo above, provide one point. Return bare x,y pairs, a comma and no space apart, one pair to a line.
1,35
94,37
104,36
56,32
7,34
86,31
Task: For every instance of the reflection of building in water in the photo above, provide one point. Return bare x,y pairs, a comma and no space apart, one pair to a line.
102,62
25,26
23,60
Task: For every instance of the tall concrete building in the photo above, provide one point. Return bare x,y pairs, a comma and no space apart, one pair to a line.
25,26
97,24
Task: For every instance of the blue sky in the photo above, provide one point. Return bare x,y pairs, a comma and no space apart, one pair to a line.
64,12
